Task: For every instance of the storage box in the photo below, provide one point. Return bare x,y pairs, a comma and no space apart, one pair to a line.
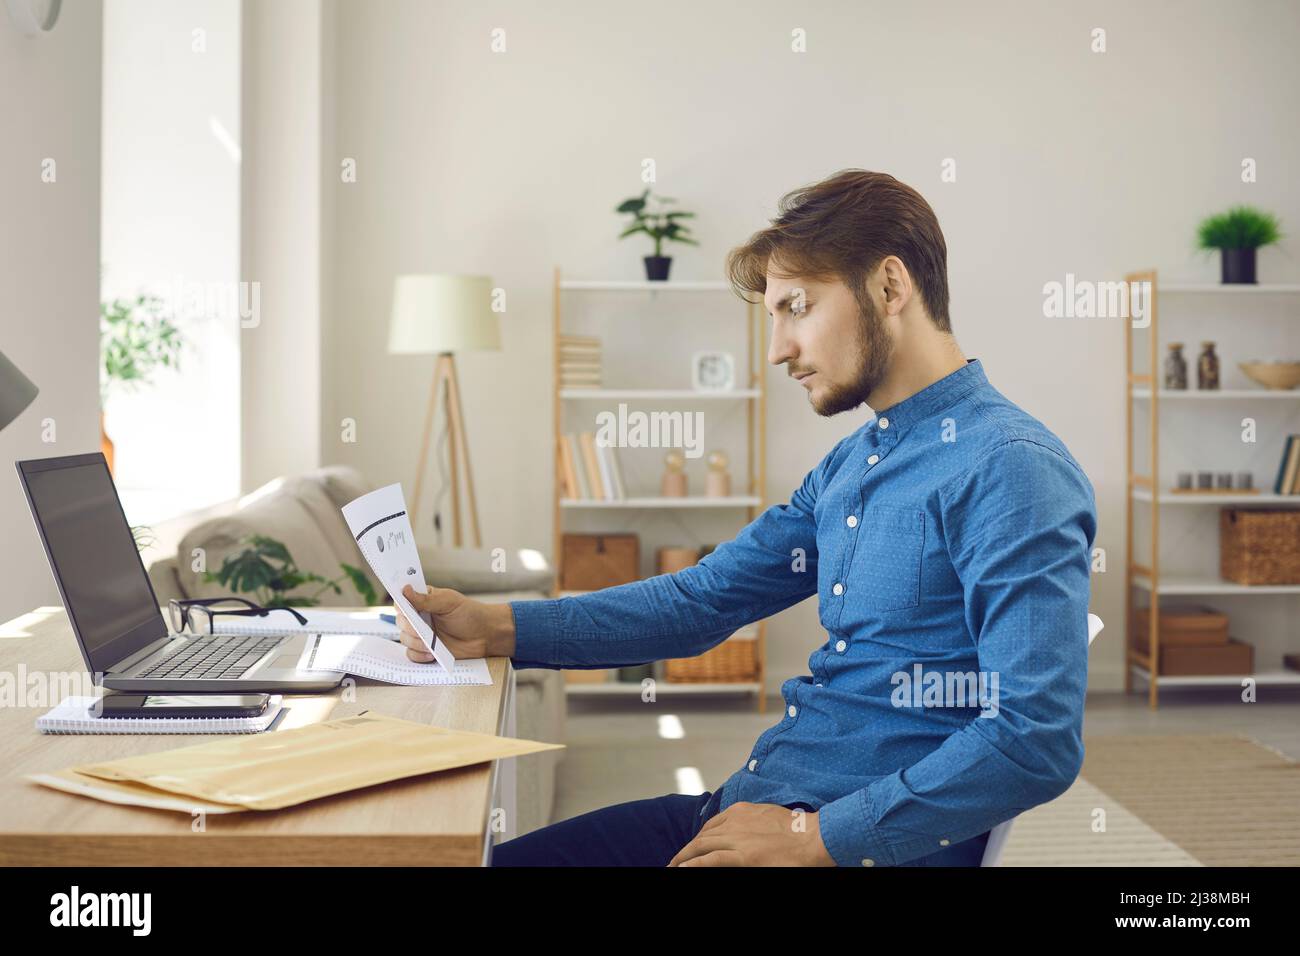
734,661
595,561
1182,626
1259,545
1235,657
586,676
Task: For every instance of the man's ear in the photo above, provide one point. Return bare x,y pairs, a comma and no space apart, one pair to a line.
893,276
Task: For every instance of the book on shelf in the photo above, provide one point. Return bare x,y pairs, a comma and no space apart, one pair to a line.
1288,470
588,442
589,471
581,488
615,472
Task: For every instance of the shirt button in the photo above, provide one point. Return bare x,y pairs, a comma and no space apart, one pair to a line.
819,685
943,843
868,862
837,590
793,710
884,423
840,645
851,521
873,459
753,764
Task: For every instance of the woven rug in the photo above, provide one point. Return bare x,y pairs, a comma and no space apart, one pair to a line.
1168,800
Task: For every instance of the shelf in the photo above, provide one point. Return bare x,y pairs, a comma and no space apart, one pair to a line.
1144,394
662,688
641,285
1178,584
656,394
1276,288
1278,677
1182,498
657,501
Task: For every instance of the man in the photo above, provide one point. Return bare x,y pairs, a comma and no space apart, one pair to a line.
947,541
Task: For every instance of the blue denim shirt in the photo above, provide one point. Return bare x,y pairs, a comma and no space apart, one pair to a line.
948,543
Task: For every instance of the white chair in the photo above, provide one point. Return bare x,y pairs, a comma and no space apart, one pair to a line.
998,835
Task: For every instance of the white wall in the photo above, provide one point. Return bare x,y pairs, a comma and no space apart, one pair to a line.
508,164
281,237
171,228
49,267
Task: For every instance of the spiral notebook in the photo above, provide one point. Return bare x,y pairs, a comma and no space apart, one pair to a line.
74,716
362,655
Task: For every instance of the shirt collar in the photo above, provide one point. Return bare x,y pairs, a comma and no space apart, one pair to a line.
934,398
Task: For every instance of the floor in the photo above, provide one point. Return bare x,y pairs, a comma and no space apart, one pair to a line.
624,750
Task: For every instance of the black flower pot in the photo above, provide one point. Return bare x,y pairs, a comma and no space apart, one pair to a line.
1238,266
656,268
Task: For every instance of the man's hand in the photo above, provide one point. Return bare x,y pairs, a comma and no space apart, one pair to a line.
757,834
469,628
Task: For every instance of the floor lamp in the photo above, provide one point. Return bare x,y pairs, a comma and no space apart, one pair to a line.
442,315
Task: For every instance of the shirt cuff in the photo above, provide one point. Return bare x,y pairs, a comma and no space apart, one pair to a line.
537,633
848,834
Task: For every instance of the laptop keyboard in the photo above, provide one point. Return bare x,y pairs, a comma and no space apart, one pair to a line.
218,657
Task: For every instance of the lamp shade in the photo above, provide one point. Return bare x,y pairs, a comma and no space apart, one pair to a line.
16,391
442,313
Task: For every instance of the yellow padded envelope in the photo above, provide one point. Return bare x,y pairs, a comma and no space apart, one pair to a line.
273,770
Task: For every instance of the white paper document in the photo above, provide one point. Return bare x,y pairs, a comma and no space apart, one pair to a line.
382,529
364,656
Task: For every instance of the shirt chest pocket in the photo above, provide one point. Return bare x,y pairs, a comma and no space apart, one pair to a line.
885,572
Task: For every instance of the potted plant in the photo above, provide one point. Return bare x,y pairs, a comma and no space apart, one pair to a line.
136,339
266,570
1237,233
659,224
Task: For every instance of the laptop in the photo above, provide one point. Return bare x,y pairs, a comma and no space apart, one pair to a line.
109,599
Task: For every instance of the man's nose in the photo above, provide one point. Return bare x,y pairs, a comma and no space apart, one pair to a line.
781,349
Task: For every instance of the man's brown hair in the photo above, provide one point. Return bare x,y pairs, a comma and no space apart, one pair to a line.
843,227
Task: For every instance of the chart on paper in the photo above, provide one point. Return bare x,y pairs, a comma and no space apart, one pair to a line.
382,529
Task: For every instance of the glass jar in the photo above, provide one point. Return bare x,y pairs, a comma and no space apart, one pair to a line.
1207,367
1175,367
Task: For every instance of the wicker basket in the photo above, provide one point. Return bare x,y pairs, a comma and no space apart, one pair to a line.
1259,546
734,661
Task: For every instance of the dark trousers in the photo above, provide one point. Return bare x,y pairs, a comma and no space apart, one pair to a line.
640,833
649,833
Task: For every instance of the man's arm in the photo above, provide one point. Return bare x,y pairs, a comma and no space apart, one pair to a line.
746,579
1019,528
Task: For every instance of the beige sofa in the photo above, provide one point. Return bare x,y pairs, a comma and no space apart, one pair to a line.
303,513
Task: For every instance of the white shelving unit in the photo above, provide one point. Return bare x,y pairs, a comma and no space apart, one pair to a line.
1143,389
753,393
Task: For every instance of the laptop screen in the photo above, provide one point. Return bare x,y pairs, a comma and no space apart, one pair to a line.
93,555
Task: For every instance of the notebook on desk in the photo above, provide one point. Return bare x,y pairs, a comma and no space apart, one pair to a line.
318,622
75,715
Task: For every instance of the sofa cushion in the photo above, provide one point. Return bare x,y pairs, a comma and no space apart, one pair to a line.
342,483
294,511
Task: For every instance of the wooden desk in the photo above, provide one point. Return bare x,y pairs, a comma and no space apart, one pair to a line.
439,819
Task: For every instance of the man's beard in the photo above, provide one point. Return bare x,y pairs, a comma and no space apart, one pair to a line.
874,347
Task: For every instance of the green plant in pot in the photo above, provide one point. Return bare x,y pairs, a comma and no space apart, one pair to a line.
266,570
1237,233
650,216
136,339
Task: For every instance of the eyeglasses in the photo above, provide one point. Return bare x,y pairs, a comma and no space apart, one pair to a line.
197,615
